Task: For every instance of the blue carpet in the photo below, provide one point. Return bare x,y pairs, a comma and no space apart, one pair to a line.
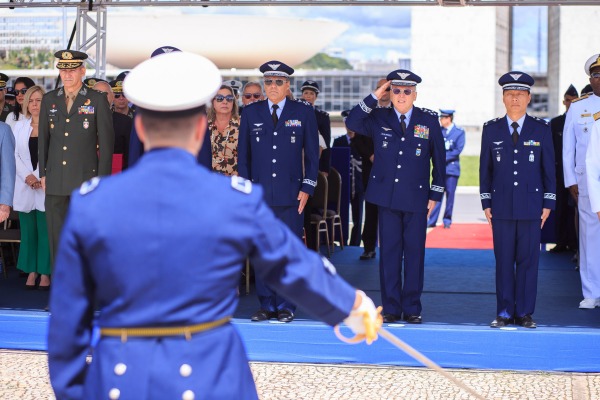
458,305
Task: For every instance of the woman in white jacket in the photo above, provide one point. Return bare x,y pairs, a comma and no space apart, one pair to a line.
34,253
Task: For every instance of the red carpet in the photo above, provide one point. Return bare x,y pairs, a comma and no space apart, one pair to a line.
461,236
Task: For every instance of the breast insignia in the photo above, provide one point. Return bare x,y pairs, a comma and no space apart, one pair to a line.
241,185
88,186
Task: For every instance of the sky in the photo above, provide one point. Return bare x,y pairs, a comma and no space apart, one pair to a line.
383,33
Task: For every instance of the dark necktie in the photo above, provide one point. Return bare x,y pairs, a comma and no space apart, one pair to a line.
515,134
274,114
403,124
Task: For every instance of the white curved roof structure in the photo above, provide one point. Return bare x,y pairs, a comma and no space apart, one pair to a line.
131,38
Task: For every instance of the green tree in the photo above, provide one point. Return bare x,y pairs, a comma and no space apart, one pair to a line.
324,61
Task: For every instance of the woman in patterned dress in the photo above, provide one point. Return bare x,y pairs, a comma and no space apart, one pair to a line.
223,128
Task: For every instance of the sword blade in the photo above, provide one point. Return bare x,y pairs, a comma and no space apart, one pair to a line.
411,351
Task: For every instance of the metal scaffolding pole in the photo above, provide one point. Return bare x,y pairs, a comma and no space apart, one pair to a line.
91,36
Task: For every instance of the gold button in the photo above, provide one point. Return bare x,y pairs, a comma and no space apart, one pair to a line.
64,163
64,147
66,134
68,120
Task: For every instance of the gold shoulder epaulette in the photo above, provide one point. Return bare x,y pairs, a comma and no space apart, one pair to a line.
597,116
585,96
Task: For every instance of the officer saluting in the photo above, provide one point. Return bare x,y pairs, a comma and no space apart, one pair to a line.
279,149
164,328
76,139
576,136
406,139
517,189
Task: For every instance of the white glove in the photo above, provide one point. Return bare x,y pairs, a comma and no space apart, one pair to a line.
365,320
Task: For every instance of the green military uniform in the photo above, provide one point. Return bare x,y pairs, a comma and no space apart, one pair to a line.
5,111
74,147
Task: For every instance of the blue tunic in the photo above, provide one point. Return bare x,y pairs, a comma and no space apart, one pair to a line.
161,245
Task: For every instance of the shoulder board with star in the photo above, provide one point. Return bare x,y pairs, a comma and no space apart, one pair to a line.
322,112
597,116
491,121
88,186
428,111
585,96
303,102
540,120
241,185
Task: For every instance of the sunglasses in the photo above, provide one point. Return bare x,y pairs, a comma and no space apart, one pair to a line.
21,91
405,91
595,75
118,96
278,82
219,98
251,95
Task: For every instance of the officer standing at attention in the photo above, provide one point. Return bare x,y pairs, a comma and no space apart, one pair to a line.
578,127
406,139
76,139
566,235
279,149
517,189
592,163
157,341
454,141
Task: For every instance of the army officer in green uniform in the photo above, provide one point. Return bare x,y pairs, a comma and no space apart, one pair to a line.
75,139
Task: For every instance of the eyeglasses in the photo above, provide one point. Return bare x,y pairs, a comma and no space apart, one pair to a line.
251,95
407,92
595,75
219,98
21,91
278,82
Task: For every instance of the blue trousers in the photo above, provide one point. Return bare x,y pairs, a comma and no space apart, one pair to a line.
269,299
402,238
516,242
450,190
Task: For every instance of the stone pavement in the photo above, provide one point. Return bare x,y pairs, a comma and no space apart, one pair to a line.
24,376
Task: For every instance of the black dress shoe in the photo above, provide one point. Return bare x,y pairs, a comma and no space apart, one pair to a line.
413,319
30,287
500,322
431,225
285,316
367,255
262,315
390,318
526,322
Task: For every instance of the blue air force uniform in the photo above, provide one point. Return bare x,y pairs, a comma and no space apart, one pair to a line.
171,266
399,184
283,159
516,183
454,142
